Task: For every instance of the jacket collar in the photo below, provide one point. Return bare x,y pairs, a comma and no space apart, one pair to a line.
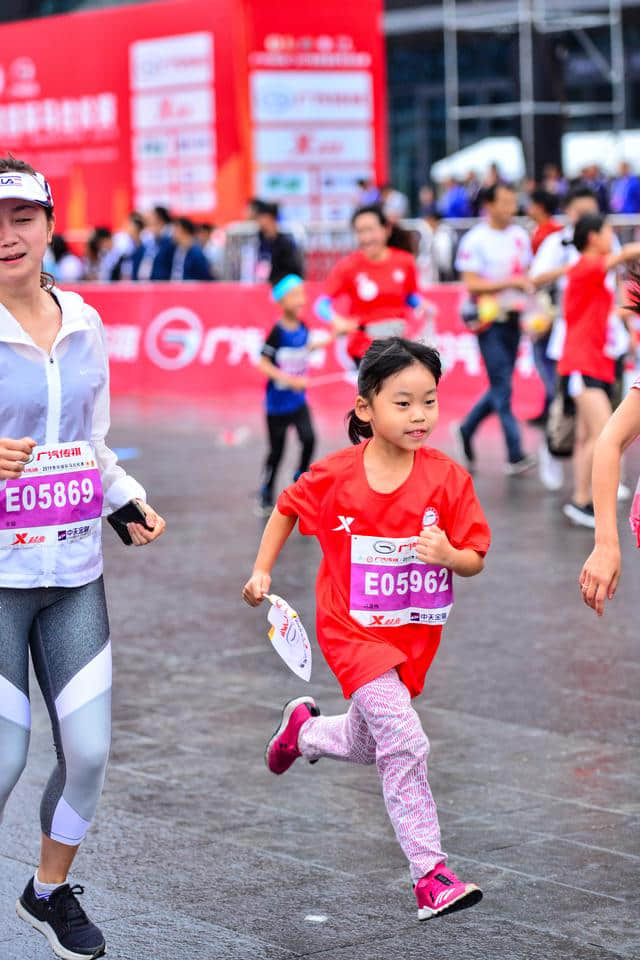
73,319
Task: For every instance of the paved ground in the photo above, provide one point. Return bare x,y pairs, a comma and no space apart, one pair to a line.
532,709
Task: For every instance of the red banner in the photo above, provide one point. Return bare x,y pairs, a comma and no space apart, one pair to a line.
201,342
153,104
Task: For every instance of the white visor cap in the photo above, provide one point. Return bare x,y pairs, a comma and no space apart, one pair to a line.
25,186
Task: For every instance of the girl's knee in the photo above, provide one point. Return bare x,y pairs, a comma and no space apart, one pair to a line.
13,760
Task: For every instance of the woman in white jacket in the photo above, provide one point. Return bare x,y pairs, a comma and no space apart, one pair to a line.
57,478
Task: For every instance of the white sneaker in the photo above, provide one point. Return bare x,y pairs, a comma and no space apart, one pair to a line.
624,493
550,469
580,516
520,466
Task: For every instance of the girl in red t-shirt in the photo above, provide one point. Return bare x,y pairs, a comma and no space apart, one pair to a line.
586,363
378,282
395,520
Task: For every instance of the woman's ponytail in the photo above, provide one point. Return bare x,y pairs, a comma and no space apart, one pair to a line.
357,429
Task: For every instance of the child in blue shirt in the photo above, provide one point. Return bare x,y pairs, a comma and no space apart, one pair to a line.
284,360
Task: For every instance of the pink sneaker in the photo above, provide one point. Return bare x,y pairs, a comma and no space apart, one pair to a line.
282,749
441,892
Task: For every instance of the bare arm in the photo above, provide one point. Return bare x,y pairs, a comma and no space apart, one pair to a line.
601,571
476,284
630,251
275,373
273,539
434,547
548,277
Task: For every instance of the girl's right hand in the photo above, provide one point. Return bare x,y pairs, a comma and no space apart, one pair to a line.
599,577
14,454
256,587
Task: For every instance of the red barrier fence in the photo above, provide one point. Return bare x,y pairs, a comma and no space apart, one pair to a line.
202,342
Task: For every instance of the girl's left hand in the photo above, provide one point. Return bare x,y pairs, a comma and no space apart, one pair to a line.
139,534
433,547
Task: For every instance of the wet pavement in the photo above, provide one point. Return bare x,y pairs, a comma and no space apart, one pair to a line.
532,709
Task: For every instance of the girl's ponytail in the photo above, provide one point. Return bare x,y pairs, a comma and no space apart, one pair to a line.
357,429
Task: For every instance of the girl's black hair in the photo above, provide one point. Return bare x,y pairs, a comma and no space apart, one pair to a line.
590,223
383,359
373,208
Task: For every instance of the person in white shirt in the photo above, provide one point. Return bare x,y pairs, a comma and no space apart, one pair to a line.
493,259
57,477
556,254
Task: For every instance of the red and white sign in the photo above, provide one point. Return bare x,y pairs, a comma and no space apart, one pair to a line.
202,342
317,105
166,112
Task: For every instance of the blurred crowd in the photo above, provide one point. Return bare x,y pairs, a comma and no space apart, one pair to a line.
155,245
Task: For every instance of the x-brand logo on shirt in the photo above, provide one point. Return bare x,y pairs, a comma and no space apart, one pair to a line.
345,523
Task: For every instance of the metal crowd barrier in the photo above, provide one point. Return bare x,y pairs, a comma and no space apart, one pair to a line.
321,245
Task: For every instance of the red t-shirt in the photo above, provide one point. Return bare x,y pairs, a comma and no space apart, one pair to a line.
377,607
377,291
588,303
542,232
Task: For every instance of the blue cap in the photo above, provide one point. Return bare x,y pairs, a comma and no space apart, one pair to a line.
282,287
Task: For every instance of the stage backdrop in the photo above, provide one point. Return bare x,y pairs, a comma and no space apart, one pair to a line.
196,105
201,342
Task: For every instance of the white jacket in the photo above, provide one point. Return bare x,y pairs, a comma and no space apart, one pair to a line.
58,398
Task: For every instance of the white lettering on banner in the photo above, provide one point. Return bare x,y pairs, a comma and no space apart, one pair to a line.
65,117
123,342
463,348
181,60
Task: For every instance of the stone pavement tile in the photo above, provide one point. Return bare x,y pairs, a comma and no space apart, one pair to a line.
556,907
469,936
583,867
621,837
169,935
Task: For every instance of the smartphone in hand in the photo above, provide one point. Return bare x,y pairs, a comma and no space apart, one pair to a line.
131,512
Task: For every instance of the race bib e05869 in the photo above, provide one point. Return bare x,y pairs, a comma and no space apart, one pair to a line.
390,587
57,498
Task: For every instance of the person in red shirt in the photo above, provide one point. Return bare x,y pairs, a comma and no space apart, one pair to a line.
587,363
395,520
378,283
542,207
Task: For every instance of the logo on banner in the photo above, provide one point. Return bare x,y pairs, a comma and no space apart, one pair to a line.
174,338
23,78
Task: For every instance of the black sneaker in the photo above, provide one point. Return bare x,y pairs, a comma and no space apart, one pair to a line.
464,449
63,922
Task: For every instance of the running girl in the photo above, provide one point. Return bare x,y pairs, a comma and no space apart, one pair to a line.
586,364
395,520
56,473
601,572
379,283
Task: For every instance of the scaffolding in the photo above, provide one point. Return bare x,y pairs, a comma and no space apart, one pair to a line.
524,18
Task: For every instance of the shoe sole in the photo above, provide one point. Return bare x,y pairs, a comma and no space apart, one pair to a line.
54,943
287,710
577,518
456,435
467,899
516,469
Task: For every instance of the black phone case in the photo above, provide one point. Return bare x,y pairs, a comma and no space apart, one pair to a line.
129,513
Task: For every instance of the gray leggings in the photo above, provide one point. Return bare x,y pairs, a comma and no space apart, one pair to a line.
67,630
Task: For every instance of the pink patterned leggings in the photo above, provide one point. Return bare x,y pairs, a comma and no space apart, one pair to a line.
382,727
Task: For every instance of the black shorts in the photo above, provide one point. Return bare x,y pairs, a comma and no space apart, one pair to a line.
591,383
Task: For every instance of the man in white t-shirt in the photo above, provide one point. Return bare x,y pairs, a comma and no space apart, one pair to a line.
493,260
556,253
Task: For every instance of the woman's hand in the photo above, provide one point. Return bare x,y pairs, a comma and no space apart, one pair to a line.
433,547
342,325
14,454
139,534
256,587
599,577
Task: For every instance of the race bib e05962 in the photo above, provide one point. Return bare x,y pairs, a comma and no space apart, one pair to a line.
57,498
390,587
